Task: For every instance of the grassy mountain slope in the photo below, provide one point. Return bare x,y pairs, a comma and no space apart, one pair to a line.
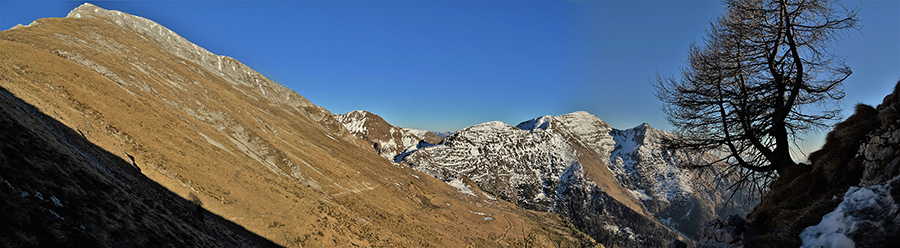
250,150
61,190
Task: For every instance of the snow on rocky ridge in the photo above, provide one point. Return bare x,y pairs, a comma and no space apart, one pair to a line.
389,141
641,159
526,164
637,156
515,164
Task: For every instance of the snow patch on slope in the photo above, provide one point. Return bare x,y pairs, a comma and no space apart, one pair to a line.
588,130
864,211
461,186
642,160
640,194
443,135
354,121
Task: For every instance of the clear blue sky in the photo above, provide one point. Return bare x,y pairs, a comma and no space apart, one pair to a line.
445,65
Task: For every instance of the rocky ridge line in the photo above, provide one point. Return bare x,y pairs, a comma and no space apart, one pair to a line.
540,164
229,68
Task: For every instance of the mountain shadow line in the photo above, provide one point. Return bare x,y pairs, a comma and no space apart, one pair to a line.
61,190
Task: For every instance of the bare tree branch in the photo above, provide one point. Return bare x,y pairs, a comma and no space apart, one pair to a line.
746,91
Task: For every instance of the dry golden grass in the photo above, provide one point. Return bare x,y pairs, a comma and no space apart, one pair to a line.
194,132
62,191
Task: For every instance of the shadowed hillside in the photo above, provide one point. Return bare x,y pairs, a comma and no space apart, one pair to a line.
62,190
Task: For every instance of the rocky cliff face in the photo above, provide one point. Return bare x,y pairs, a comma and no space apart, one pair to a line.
681,197
622,186
880,154
140,103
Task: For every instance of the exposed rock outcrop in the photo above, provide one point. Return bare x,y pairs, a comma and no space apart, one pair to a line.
727,231
881,154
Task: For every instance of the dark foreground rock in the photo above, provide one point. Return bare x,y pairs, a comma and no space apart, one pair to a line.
845,197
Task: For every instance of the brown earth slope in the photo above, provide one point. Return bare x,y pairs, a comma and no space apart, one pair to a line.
250,150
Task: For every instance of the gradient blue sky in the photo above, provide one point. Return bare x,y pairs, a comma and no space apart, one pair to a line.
445,65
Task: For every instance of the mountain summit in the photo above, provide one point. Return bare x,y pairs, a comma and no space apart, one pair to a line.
389,141
118,127
627,182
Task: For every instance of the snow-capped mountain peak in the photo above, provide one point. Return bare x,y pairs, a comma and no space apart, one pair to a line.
389,141
490,126
542,122
354,121
542,162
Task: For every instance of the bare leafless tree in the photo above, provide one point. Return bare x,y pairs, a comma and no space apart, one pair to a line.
747,92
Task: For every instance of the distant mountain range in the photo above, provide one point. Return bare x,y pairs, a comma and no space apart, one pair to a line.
623,187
